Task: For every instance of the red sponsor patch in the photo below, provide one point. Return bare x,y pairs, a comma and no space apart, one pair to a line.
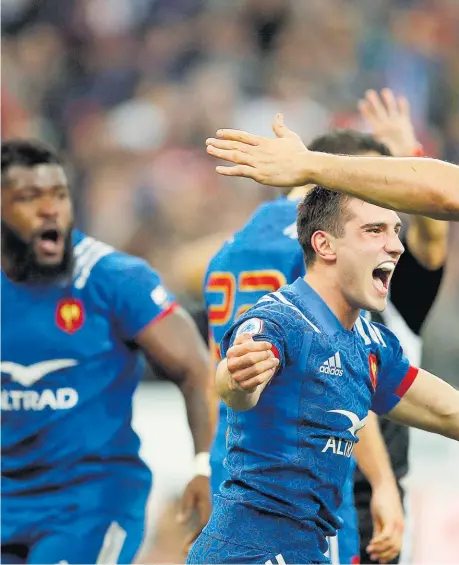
373,363
70,315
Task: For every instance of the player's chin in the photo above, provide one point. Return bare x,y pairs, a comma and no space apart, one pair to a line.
376,303
44,260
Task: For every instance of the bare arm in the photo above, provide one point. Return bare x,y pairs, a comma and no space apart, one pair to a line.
429,404
371,454
413,185
175,344
427,240
389,117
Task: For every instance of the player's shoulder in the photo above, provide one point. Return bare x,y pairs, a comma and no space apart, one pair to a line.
95,260
278,211
285,309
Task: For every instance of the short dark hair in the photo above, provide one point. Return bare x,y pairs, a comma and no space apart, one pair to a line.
324,209
26,153
348,142
321,209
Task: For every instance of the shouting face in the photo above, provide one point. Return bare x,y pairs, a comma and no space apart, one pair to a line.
37,219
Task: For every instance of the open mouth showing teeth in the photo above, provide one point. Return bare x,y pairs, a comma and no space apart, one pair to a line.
382,275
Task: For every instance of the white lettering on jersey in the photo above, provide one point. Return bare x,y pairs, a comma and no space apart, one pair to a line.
29,375
61,399
339,446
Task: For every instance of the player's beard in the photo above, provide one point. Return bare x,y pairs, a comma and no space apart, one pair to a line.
26,268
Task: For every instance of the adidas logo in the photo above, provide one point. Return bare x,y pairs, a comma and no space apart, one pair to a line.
332,366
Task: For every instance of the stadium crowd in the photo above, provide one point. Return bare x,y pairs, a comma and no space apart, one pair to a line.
131,88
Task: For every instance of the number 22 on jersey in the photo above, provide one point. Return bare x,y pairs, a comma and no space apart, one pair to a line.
239,295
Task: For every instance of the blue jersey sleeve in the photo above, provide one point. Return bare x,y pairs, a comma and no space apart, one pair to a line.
282,326
392,372
139,295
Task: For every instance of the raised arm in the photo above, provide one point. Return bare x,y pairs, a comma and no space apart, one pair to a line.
390,121
413,185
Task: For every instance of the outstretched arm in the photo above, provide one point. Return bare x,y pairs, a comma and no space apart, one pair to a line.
245,372
429,404
413,185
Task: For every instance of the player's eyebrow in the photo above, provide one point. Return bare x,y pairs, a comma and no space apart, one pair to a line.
380,225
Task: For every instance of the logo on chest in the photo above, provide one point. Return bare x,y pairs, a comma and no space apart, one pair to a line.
62,398
373,363
70,315
340,446
332,366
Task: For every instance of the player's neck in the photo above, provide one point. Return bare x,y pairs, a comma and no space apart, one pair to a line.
327,288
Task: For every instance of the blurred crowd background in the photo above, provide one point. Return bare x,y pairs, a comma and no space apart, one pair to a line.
128,90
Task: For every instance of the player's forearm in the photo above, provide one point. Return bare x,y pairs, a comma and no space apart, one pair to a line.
427,240
236,398
413,185
430,404
197,403
372,456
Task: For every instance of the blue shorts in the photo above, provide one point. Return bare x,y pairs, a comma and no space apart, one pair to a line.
75,525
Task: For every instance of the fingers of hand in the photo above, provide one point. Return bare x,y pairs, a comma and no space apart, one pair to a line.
279,128
243,338
231,155
389,101
239,135
385,555
386,545
245,346
251,365
403,106
365,110
228,145
252,384
376,107
239,171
